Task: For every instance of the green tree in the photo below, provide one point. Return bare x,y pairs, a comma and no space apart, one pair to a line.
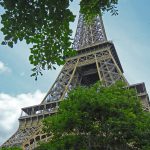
98,117
11,148
45,25
91,8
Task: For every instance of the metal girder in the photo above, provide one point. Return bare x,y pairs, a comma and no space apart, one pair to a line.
108,72
20,136
89,34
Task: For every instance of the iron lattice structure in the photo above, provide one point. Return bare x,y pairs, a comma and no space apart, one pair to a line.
96,59
89,35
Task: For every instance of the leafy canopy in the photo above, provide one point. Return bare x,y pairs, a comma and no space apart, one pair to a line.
45,25
91,8
11,148
99,117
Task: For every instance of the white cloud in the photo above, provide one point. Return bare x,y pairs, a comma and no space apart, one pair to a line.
10,110
4,68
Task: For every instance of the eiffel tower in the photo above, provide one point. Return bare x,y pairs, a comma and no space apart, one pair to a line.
96,59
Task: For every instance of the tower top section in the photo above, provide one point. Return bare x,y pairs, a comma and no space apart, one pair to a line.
88,35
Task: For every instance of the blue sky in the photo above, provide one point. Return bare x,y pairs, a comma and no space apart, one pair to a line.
130,32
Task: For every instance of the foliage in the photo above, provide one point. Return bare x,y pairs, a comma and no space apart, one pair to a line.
96,118
91,8
45,25
11,148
